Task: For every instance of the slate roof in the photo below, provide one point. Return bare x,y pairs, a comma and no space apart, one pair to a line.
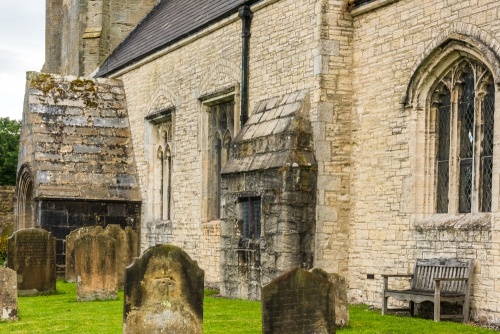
168,22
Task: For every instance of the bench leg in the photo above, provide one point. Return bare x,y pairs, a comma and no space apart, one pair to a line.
412,308
466,310
384,305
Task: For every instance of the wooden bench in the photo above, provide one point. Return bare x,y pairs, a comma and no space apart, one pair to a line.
434,280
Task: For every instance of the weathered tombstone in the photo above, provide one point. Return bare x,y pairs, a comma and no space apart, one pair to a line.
8,294
95,266
341,304
299,301
126,248
163,293
32,254
70,245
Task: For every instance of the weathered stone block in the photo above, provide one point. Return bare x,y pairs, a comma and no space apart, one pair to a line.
163,293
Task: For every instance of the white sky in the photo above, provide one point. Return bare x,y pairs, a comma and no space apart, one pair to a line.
22,49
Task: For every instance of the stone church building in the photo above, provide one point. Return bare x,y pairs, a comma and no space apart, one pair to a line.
264,135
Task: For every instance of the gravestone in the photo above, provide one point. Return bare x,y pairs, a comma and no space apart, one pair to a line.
95,266
32,254
8,294
341,304
163,293
70,275
126,248
298,302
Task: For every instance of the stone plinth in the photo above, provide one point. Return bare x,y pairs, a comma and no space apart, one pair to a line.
8,294
32,254
95,265
299,302
163,293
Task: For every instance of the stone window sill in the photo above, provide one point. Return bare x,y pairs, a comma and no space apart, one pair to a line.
464,222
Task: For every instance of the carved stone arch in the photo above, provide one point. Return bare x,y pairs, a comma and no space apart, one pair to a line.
220,67
159,153
25,206
163,98
461,40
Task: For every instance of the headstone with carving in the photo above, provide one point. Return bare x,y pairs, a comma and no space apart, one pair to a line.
70,246
163,293
8,294
95,266
32,254
298,302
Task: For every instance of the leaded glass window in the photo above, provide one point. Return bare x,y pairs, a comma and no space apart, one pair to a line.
251,214
466,125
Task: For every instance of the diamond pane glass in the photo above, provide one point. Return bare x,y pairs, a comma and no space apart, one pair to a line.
466,121
487,148
487,169
465,191
443,154
466,113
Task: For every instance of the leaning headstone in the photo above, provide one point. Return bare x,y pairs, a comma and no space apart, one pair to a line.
8,294
163,293
299,302
70,246
32,254
95,266
126,248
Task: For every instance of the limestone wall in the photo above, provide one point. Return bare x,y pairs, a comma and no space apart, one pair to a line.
280,62
7,194
389,228
81,33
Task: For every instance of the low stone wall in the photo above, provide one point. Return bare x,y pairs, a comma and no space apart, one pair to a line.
7,194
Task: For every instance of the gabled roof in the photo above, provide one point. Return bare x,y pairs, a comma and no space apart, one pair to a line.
168,22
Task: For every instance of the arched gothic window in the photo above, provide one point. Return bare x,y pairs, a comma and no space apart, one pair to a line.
221,126
463,105
163,171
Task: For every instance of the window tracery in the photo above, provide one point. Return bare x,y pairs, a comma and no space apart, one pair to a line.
463,103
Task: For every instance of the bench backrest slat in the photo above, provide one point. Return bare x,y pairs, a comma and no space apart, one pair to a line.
425,271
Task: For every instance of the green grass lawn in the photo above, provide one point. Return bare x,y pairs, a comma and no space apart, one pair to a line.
61,313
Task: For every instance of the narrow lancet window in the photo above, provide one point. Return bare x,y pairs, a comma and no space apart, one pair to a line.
467,134
488,110
443,147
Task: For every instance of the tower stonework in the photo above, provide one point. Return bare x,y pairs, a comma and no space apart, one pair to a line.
80,34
